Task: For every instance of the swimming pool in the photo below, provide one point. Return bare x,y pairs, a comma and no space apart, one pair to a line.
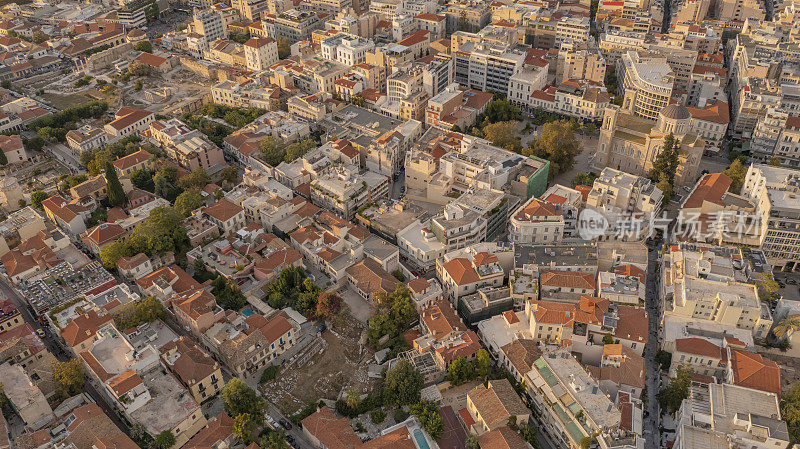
248,312
422,443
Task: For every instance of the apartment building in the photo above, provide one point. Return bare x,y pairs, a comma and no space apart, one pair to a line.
472,14
580,62
489,66
293,24
493,405
208,23
774,190
453,107
195,369
536,222
577,98
453,228
128,121
260,53
739,417
462,276
569,400
346,49
196,152
647,84
344,191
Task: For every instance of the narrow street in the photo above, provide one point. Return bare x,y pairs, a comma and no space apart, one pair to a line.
652,372
296,432
54,345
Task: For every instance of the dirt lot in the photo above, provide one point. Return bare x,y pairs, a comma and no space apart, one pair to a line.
339,366
65,101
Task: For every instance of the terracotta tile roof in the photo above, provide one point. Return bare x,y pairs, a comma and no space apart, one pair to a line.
630,372
753,371
128,116
538,210
716,113
416,38
258,42
174,275
461,271
502,438
218,429
567,279
125,382
630,270
277,260
550,312
632,324
130,160
441,320
11,143
711,188
271,329
522,353
189,363
223,210
332,432
701,347
497,403
418,285
369,276
104,233
84,327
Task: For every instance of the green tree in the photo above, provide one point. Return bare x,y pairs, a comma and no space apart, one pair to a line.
144,46
403,384
353,398
159,233
557,143
40,37
284,50
472,442
165,440
377,416
37,197
143,179
146,310
790,411
138,85
111,253
298,149
666,161
665,186
483,363
238,398
585,179
228,294
774,161
460,371
272,150
188,201
197,179
427,412
116,195
767,287
273,440
229,174
608,339
503,135
68,377
737,172
463,22
671,396
502,111
243,426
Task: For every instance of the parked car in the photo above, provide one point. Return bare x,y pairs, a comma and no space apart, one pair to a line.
40,332
285,424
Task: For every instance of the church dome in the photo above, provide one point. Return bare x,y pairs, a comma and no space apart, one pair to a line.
675,112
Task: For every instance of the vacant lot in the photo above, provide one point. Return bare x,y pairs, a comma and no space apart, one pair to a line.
340,365
65,101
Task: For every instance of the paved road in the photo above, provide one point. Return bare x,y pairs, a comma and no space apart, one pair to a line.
296,432
54,345
652,375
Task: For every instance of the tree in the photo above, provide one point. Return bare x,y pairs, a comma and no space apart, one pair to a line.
774,161
353,398
146,310
298,149
116,195
243,426
790,411
40,37
591,128
608,339
188,201
165,440
403,384
427,412
273,440
68,377
3,159
737,172
671,396
767,287
328,303
472,442
111,253
143,179
138,85
197,179
229,174
557,143
503,135
228,294
666,161
502,111
284,50
664,359
483,363
665,186
584,179
463,22
37,197
238,398
377,416
144,46
272,150
22,203
460,371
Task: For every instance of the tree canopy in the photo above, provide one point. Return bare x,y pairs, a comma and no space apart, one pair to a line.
673,394
427,412
68,377
557,144
116,194
403,384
